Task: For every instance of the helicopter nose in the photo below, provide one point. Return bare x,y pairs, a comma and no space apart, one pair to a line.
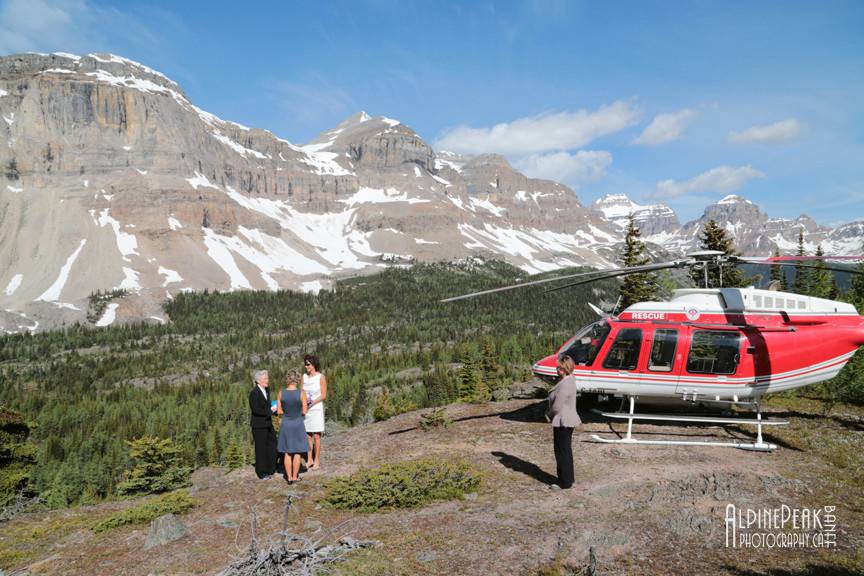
546,368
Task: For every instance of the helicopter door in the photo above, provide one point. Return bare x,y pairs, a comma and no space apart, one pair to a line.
618,370
713,360
664,362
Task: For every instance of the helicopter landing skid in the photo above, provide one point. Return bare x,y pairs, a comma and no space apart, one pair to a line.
758,446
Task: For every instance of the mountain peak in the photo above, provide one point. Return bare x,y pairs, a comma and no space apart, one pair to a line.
652,218
734,199
356,128
363,116
616,201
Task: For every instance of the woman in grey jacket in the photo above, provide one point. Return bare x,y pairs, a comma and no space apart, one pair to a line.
564,417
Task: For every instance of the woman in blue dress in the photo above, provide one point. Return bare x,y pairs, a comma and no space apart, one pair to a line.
291,406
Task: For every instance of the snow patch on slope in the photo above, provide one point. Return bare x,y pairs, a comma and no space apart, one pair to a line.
14,283
130,280
126,243
323,163
109,316
52,294
221,254
170,276
378,196
200,180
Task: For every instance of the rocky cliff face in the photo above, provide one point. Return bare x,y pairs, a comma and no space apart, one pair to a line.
112,179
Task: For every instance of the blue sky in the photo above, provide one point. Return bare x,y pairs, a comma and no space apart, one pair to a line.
680,102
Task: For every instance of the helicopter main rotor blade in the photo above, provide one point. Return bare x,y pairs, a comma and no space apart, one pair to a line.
772,259
626,271
602,273
521,285
740,260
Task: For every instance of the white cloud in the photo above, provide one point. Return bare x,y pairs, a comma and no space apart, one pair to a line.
583,166
777,133
665,128
534,134
722,180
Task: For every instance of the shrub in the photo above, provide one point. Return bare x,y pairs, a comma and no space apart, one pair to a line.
158,467
173,503
435,418
387,407
403,485
383,407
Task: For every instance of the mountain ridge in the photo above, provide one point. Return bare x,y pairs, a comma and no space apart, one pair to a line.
114,179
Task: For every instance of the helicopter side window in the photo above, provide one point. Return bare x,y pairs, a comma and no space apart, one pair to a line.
584,349
624,353
714,352
663,351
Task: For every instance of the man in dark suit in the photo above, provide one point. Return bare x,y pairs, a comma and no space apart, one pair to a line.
262,426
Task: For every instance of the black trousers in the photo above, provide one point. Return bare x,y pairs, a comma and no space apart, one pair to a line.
265,451
563,441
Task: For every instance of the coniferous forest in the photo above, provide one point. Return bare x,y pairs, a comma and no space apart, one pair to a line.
76,404
386,345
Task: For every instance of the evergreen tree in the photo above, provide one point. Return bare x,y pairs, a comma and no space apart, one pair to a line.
777,273
713,237
383,406
470,377
234,457
511,352
856,294
214,447
635,287
358,407
17,457
482,392
848,386
490,365
158,467
821,279
437,389
802,274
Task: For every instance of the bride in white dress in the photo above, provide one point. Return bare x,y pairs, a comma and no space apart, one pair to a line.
315,386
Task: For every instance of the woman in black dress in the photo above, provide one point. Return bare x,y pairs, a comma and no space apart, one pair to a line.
292,432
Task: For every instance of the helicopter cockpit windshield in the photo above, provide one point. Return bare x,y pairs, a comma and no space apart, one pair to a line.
585,345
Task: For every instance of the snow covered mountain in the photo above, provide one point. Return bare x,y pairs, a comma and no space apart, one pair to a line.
653,220
113,179
757,234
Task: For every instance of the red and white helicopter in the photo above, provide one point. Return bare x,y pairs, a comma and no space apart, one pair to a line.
709,345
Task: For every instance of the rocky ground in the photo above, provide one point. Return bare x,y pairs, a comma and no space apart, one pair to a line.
643,509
